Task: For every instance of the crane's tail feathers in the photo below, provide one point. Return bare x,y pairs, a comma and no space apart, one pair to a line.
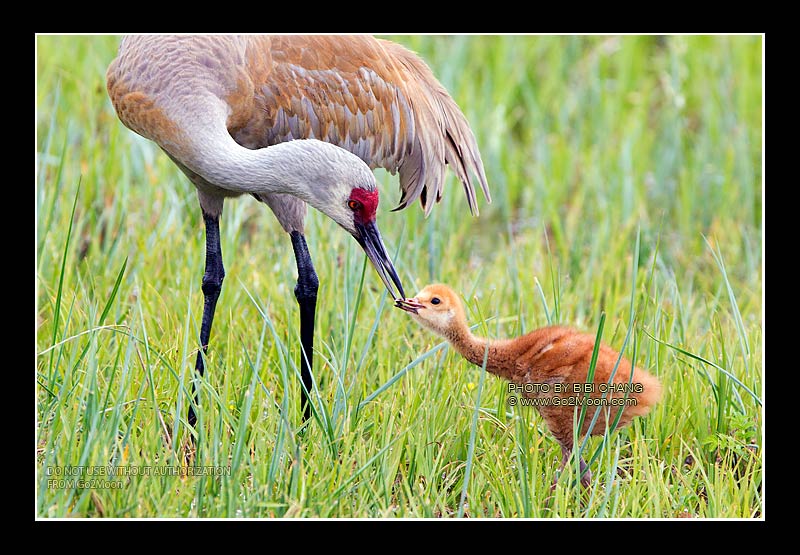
422,173
462,153
442,137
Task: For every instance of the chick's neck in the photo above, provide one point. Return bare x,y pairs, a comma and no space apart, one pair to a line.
474,349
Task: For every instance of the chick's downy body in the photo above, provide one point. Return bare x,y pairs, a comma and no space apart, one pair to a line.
550,364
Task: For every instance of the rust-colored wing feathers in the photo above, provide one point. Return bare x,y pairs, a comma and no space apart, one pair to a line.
372,97
443,135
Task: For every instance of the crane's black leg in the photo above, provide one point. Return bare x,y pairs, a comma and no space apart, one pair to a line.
306,294
212,285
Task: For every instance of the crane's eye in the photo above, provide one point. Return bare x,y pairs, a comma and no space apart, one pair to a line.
435,300
354,205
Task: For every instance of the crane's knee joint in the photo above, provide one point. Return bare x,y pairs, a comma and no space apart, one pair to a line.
307,287
212,283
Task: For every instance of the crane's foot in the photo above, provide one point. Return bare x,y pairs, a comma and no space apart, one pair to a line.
190,451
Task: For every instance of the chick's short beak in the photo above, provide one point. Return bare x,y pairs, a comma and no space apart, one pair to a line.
370,240
409,305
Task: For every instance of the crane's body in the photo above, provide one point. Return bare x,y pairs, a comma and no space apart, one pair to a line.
295,120
371,97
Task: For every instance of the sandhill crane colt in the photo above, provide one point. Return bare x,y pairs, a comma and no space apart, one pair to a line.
550,366
295,120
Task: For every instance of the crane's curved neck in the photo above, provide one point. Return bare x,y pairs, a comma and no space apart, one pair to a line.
284,168
308,169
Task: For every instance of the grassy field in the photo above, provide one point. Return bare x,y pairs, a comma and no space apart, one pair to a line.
627,185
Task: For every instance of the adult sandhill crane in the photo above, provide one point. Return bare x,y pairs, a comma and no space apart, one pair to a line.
294,120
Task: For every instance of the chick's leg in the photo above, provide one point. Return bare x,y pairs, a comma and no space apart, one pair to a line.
586,474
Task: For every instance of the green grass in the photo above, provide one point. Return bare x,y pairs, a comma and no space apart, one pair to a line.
592,146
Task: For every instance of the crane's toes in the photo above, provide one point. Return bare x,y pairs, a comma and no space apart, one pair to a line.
190,450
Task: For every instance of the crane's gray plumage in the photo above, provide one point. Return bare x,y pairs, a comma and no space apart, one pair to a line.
295,120
371,97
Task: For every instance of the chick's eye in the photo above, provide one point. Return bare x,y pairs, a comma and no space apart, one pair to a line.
435,300
354,205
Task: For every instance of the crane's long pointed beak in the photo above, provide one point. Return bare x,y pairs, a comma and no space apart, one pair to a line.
372,244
